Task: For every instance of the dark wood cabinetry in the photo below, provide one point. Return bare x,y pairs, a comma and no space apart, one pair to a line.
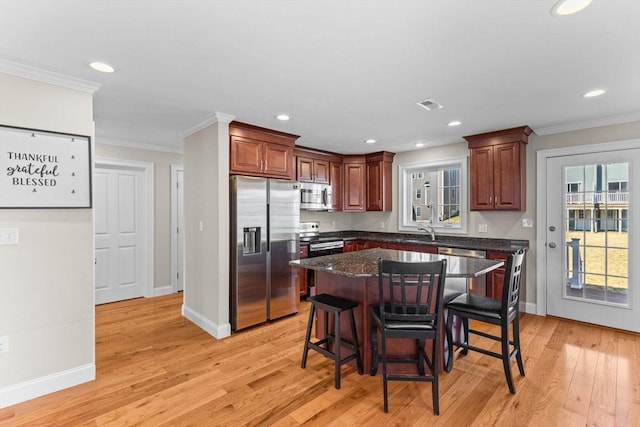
413,247
261,152
353,184
498,169
335,178
312,170
378,182
359,182
353,245
495,278
303,273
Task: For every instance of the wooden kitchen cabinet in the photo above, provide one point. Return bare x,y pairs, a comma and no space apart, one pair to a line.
373,244
378,181
354,184
335,178
261,152
495,278
498,169
353,245
303,273
413,247
313,170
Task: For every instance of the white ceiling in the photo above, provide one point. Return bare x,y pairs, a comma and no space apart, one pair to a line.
344,70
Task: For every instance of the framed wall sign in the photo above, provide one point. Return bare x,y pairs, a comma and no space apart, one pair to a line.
41,169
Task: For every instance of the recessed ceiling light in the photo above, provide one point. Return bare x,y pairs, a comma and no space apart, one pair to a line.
453,123
569,7
283,117
419,144
593,93
102,67
370,141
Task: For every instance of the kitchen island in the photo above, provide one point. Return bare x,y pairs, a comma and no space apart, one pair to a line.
354,275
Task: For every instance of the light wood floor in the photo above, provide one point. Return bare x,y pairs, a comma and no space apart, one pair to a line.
156,368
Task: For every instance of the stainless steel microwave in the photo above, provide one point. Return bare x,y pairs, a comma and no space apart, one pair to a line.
315,197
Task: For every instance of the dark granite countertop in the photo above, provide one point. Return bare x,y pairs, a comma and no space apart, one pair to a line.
365,263
486,244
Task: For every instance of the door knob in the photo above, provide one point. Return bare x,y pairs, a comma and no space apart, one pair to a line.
552,245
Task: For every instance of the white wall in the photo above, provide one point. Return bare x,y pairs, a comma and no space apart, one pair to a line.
206,192
46,281
162,162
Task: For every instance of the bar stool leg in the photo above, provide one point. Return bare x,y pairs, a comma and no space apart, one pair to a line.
307,339
337,344
356,346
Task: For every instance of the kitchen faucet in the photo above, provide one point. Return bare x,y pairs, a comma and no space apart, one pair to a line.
429,229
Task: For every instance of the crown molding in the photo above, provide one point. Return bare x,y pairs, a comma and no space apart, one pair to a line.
50,77
138,145
587,124
208,121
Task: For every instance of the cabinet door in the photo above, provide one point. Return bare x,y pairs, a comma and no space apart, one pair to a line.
353,187
321,171
507,178
371,244
482,178
246,155
305,169
335,174
374,186
303,273
495,278
278,160
350,246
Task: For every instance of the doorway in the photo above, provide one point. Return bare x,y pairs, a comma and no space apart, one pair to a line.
123,229
588,228
177,228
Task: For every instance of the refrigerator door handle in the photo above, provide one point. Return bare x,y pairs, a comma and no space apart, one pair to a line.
268,227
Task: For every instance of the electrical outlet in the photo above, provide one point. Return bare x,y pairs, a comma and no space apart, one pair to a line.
483,228
527,222
4,344
382,224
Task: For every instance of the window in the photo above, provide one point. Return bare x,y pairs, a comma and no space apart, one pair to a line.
574,187
618,186
434,193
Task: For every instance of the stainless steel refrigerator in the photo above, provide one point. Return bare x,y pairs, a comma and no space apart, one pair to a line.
265,218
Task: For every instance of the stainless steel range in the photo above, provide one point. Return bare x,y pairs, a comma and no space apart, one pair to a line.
319,246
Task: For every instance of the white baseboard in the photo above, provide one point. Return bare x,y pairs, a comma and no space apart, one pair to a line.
531,307
213,329
164,290
31,389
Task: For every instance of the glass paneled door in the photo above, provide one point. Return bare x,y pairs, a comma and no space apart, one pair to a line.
589,225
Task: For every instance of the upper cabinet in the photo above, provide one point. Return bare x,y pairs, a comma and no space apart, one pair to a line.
312,170
353,182
335,177
261,152
359,182
378,183
498,169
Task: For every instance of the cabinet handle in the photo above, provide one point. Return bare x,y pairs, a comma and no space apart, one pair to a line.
490,199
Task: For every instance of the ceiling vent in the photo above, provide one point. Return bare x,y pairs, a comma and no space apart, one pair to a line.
430,104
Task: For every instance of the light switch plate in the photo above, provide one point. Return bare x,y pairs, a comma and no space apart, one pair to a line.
483,228
527,222
8,236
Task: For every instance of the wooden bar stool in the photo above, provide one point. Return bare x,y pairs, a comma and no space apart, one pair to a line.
335,305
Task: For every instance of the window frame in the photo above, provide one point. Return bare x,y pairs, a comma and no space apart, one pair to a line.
406,194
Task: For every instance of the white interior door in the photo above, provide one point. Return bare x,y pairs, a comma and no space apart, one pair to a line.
591,229
120,235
